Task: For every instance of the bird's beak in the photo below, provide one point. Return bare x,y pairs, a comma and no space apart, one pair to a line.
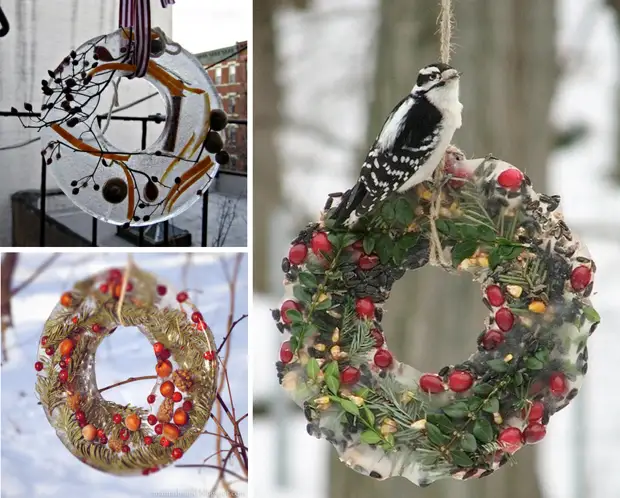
450,74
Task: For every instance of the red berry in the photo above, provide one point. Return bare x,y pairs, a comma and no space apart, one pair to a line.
164,442
124,434
534,432
177,396
164,355
510,439
38,366
117,419
74,319
365,307
557,383
115,275
288,305
459,381
148,440
96,328
80,416
286,354
297,254
125,449
177,453
510,178
158,347
537,410
103,439
129,287
580,278
161,290
492,338
383,358
104,288
49,351
320,243
182,297
196,316
458,173
150,399
431,383
209,355
63,375
187,405
350,375
100,433
378,337
495,295
43,340
368,262
62,364
151,419
158,429
83,424
504,319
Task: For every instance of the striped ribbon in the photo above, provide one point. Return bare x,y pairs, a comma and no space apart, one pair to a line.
136,15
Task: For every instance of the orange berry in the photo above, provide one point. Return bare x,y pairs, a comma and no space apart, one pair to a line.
65,347
66,299
132,422
116,291
167,389
89,432
171,432
180,417
164,368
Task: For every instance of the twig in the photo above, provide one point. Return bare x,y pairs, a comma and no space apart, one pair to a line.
216,467
9,263
130,379
36,273
243,317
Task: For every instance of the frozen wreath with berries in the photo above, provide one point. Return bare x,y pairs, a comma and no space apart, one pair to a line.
386,418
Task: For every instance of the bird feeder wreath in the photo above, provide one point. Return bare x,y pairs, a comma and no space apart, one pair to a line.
385,418
126,439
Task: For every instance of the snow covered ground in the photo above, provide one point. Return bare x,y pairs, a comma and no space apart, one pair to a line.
578,458
34,461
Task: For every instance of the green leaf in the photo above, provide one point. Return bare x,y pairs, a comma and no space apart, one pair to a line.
435,435
440,420
486,234
335,238
298,328
362,392
369,244
324,305
475,403
398,254
494,259
408,240
388,212
518,379
333,384
294,316
301,294
370,437
510,252
312,368
446,227
498,365
591,314
369,416
534,364
384,248
331,370
468,232
308,280
460,459
294,342
390,440
483,389
463,250
542,355
404,212
491,405
350,238
350,407
468,443
311,329
456,410
483,430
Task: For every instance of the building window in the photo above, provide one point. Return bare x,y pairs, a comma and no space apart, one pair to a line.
232,73
232,134
231,105
218,75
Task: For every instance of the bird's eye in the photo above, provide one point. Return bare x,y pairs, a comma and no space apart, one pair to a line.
435,76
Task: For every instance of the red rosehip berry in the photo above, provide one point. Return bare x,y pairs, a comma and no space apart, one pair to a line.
124,434
151,419
492,338
557,383
365,308
286,306
368,262
150,399
177,453
286,353
129,287
158,348
161,290
115,275
182,297
164,355
431,383
534,433
504,319
117,419
62,364
510,439
209,355
63,375
83,424
580,278
196,316
459,381
537,410
125,449
350,375
495,296
320,243
49,351
38,366
43,340
103,439
456,174
510,179
378,337
74,319
177,396
297,254
80,416
164,442
148,440
100,433
104,288
96,328
158,429
383,358
187,405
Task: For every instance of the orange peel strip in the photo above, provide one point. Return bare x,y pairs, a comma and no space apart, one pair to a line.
196,170
77,143
188,184
180,156
112,66
205,129
130,190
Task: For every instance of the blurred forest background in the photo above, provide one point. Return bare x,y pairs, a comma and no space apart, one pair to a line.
539,90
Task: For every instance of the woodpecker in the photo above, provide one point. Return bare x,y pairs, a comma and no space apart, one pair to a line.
410,145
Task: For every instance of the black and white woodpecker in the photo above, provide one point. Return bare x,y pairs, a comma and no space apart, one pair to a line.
411,143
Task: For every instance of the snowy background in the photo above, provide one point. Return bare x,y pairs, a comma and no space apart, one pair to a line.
34,461
325,116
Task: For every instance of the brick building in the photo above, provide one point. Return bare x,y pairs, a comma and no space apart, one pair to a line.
231,79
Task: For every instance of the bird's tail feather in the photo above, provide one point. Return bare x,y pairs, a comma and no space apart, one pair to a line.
346,212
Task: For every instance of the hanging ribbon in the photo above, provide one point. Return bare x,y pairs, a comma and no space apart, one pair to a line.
136,15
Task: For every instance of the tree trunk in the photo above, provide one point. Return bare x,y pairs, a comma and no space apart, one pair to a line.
507,54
